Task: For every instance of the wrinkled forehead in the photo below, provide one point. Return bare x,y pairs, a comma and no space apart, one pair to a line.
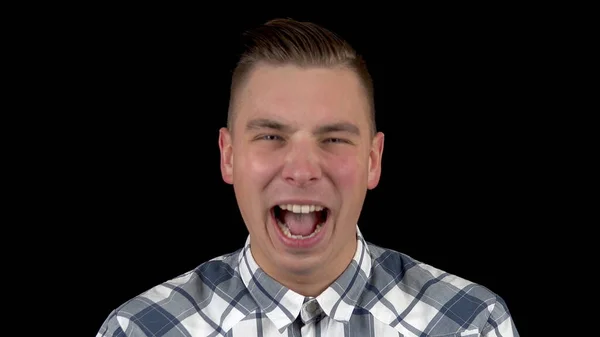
303,96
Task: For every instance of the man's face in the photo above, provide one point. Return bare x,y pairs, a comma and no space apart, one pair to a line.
301,158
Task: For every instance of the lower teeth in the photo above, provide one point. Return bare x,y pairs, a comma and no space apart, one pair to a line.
286,231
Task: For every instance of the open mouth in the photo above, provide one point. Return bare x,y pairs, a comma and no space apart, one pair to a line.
300,222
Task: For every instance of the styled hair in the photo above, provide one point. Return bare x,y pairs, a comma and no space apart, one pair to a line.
304,44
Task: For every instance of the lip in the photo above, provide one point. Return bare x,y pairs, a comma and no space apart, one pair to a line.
300,244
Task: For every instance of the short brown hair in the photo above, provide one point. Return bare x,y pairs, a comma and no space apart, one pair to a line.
283,41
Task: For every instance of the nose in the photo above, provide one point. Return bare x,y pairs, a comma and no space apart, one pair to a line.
301,167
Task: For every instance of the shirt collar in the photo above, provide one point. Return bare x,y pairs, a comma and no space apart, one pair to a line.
340,298
283,305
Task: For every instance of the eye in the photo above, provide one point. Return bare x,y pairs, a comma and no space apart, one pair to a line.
336,140
268,137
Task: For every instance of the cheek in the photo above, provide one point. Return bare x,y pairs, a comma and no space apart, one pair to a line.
346,170
256,166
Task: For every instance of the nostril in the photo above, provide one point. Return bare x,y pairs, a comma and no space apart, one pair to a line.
301,173
301,179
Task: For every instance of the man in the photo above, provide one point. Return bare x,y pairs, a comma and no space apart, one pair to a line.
301,150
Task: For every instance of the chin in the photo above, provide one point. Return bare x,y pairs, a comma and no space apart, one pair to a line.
298,264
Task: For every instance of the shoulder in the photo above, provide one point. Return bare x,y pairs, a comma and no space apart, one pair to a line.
408,293
194,299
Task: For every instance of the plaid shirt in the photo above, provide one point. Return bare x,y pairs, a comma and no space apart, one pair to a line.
382,293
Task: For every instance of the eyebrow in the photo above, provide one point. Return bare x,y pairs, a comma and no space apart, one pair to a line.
263,123
339,127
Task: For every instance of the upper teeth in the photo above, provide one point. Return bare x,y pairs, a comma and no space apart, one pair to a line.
301,208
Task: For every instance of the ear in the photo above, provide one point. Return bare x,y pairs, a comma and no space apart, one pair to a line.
375,157
226,148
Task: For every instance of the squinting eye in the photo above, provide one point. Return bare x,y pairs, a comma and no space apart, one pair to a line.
335,140
270,137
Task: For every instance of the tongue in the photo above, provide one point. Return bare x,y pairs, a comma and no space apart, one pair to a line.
300,223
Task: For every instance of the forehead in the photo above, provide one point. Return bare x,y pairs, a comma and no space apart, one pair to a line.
294,94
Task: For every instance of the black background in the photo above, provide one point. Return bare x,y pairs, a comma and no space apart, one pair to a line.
149,89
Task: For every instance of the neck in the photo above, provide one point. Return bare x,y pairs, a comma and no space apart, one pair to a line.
309,281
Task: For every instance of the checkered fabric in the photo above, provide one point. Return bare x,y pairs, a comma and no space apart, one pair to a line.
382,293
